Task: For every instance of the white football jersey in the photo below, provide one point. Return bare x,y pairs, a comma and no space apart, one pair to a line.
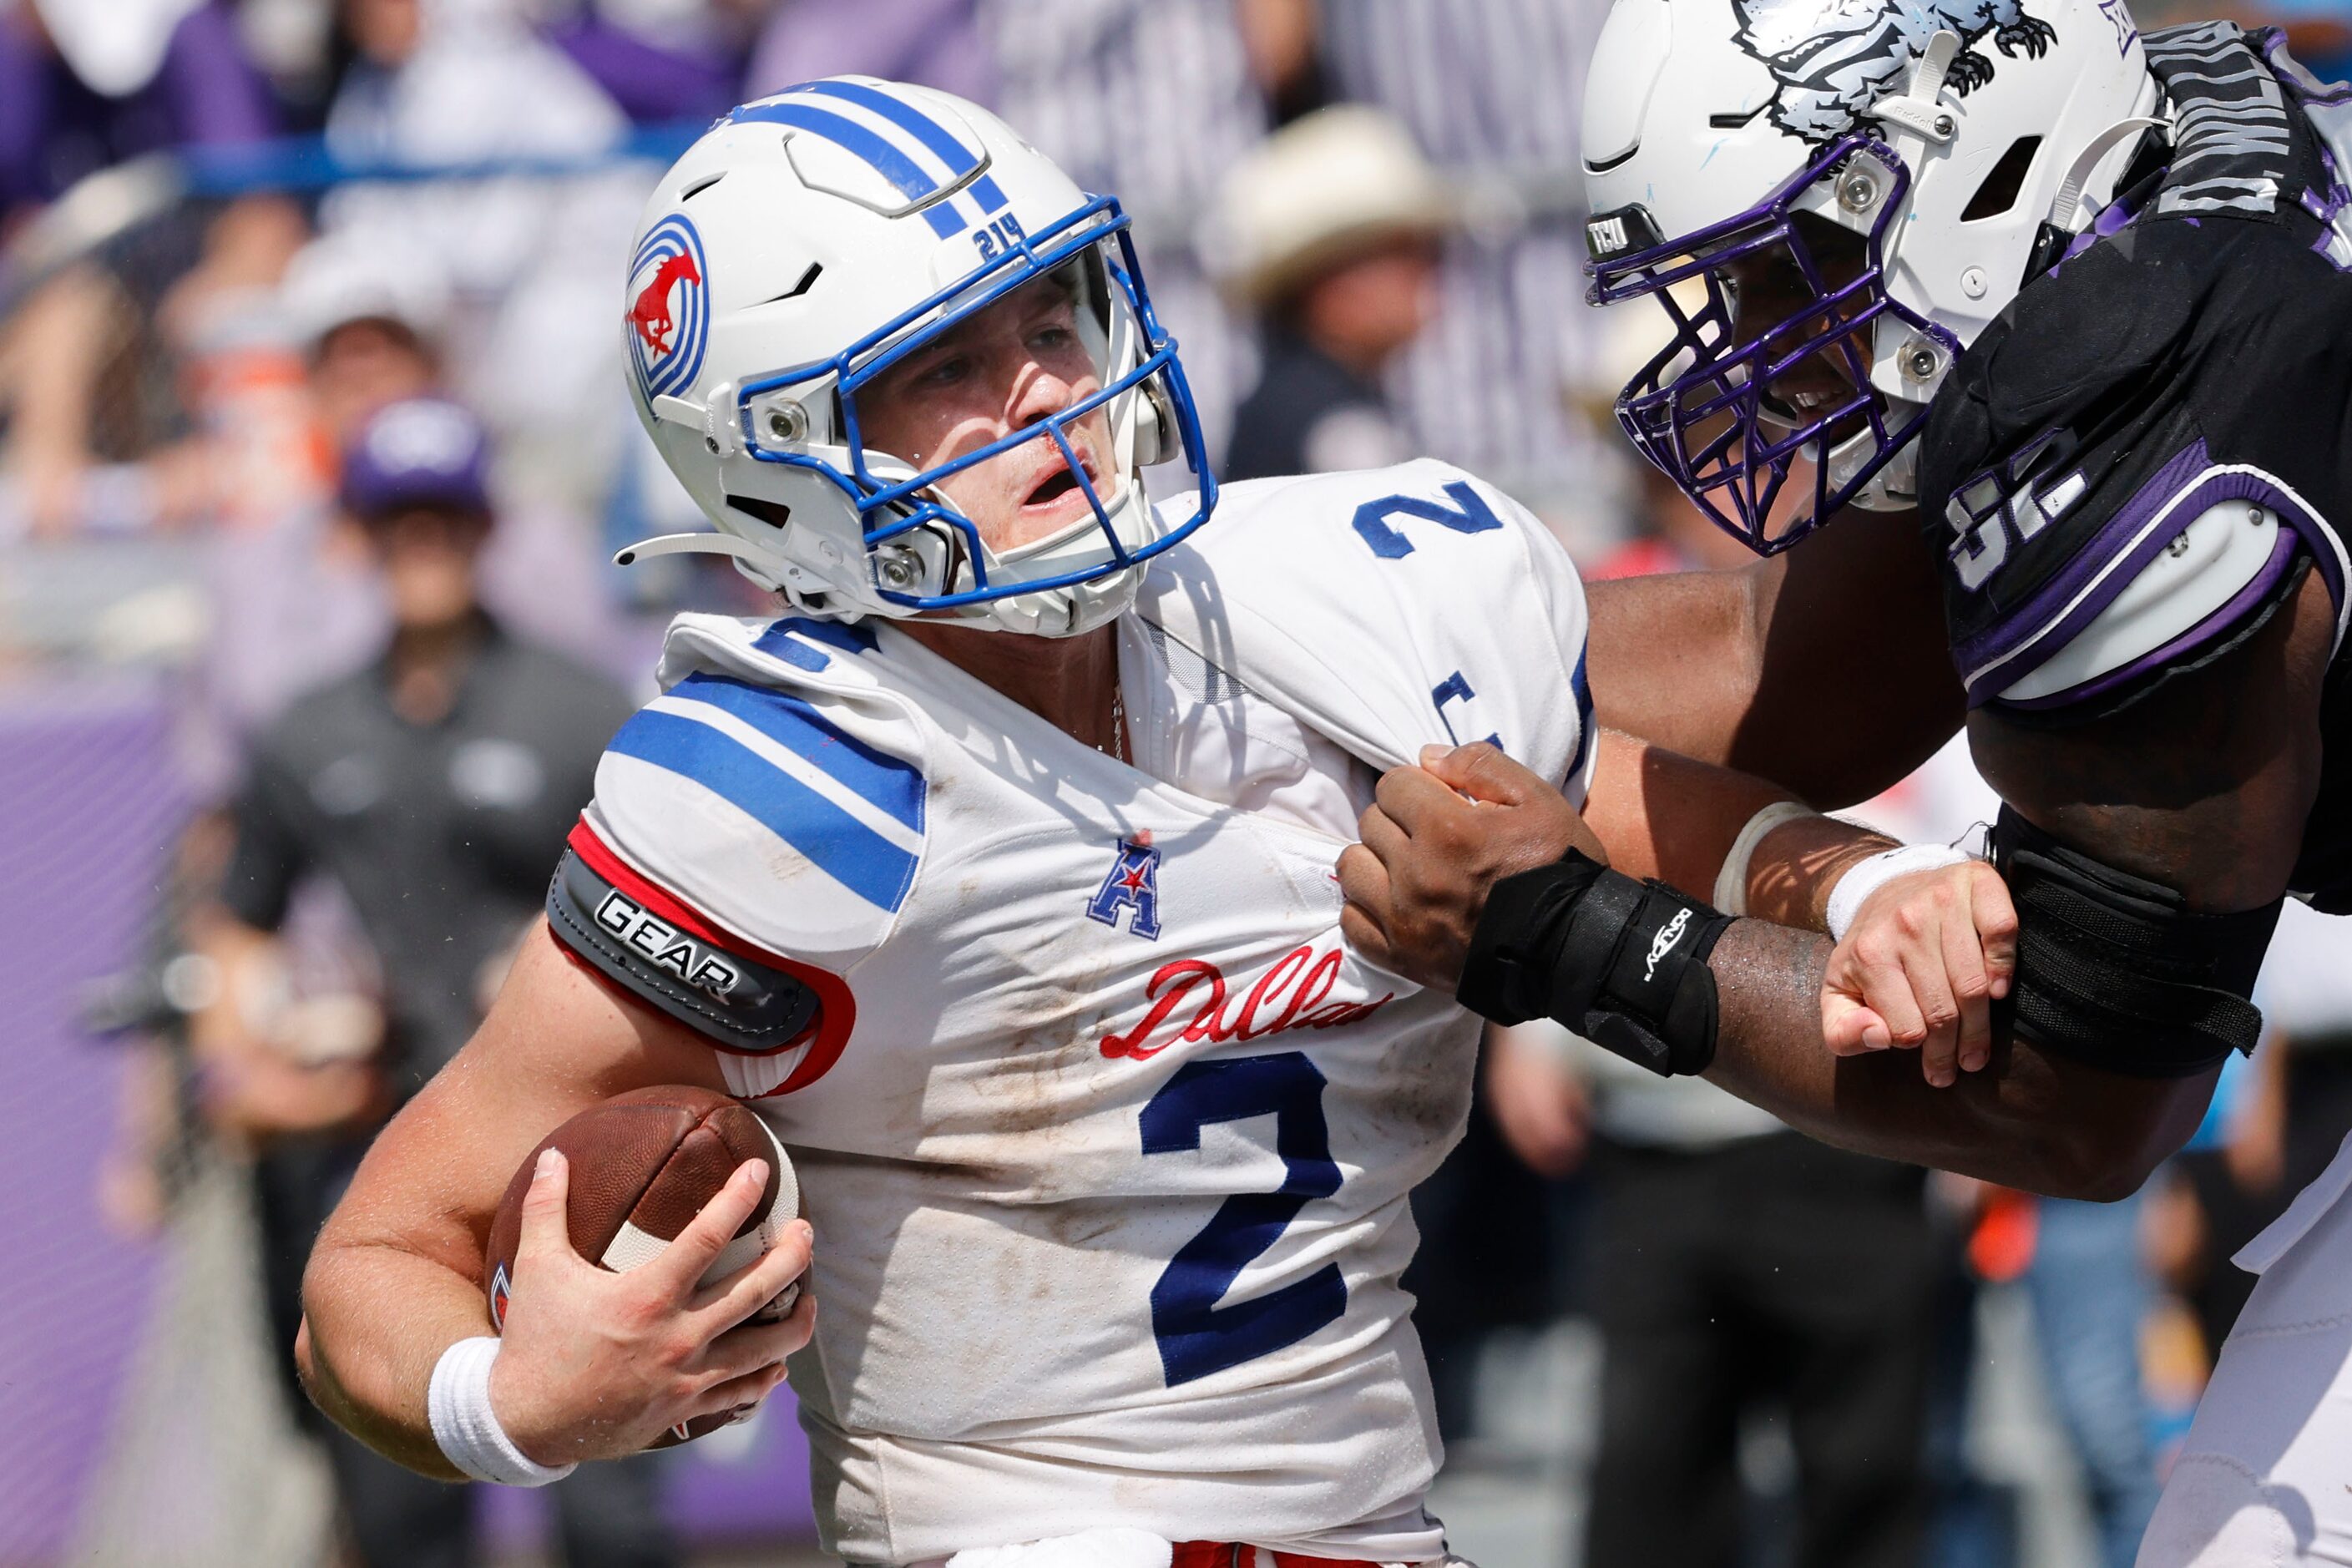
1106,1135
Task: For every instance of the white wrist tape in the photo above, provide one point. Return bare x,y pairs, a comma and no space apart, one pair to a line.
1731,883
465,1427
1866,876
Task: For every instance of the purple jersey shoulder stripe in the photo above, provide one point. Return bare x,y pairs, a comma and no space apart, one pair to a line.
2212,628
2162,509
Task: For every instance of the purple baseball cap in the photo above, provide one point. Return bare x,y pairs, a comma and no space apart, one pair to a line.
422,452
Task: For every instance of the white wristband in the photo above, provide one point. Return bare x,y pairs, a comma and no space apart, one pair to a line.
1866,876
465,1427
1731,883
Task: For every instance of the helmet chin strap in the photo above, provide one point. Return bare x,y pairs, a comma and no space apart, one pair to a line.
2078,173
1917,118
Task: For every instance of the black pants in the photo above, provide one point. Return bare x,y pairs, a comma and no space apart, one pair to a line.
606,1515
1773,1270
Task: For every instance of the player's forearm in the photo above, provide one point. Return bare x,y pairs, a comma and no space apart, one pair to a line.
376,1319
1824,669
1662,815
1673,659
2029,1120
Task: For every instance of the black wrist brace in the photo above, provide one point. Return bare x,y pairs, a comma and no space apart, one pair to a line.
1622,962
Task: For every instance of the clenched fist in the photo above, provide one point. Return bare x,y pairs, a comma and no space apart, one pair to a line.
1435,839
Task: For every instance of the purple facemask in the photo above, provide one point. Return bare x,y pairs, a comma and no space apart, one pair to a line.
1699,411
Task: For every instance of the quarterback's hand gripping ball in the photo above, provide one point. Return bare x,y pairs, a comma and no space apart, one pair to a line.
642,1166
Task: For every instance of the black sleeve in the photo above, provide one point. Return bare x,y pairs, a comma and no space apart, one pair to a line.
271,851
739,1001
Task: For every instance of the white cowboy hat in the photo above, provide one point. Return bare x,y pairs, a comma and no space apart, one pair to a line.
1326,187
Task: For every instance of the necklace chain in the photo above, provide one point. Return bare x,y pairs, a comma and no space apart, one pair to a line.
1117,747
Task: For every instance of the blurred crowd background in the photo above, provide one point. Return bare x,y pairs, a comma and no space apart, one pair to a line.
313,449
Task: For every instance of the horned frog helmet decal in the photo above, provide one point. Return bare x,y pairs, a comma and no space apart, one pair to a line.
1833,61
1882,170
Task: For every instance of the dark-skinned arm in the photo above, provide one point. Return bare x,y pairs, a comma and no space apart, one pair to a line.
1824,669
2031,1120
2204,786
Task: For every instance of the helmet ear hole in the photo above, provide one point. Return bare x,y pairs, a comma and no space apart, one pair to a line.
1156,434
2003,183
774,513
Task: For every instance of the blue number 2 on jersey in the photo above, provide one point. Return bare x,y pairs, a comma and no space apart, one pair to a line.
1196,1336
1468,514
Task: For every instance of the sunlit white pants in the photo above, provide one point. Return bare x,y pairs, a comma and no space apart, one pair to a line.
2265,1480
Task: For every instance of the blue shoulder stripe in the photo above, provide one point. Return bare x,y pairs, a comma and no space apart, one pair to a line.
849,636
876,778
840,845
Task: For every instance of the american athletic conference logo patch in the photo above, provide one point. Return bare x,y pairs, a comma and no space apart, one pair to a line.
1132,884
669,309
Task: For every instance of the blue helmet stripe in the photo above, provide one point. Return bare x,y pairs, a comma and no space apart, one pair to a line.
960,159
886,160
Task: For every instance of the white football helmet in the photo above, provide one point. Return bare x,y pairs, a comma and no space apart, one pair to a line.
1955,141
806,243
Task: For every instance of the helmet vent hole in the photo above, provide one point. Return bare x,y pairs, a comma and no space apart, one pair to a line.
2002,184
700,185
774,513
808,280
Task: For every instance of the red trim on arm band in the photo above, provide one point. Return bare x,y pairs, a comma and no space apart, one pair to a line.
836,1006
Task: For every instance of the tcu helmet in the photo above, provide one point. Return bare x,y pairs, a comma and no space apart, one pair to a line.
1947,139
807,243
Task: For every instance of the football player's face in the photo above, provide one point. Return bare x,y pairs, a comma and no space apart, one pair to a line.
1771,290
1004,367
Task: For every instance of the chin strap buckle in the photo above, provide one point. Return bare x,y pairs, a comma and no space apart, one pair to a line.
1920,111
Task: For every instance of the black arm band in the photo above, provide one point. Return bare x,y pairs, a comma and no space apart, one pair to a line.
737,1000
1622,962
2113,972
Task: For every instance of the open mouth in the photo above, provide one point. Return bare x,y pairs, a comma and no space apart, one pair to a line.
1059,482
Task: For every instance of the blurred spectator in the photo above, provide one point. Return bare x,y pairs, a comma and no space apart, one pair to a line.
1329,232
432,790
2087,1288
370,313
2289,1119
82,88
660,60
1490,91
934,42
1742,1272
293,598
1675,536
529,260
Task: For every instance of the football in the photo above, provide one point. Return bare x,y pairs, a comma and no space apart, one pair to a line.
642,1164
